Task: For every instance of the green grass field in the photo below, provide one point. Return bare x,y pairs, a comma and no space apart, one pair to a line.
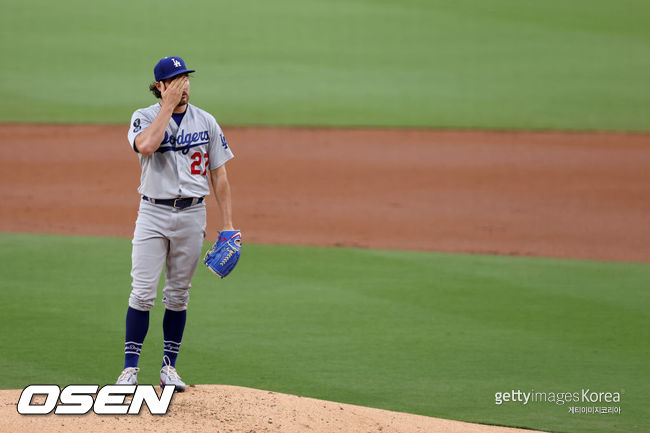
577,65
427,333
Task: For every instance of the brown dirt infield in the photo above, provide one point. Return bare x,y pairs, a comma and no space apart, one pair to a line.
573,195
535,194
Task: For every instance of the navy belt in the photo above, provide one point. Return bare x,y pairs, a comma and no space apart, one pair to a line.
177,203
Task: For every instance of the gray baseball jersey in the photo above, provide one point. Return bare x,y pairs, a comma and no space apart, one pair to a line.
180,167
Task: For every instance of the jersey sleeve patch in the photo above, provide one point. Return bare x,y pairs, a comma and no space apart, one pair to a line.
139,122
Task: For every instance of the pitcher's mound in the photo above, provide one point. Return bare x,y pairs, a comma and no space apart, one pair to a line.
222,408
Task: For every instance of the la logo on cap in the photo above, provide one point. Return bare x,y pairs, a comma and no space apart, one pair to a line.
169,67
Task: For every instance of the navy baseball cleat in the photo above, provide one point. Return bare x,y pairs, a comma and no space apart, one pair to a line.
129,376
169,376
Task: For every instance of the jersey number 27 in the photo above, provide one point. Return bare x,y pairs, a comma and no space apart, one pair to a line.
199,161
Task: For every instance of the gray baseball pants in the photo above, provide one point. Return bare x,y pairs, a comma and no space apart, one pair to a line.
170,237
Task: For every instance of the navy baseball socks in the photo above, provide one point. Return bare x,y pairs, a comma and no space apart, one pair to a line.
137,325
173,327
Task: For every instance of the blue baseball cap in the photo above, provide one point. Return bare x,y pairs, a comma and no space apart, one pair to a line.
169,67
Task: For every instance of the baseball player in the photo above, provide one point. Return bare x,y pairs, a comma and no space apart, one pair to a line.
181,150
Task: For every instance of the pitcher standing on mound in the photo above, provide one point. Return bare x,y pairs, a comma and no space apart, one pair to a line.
181,150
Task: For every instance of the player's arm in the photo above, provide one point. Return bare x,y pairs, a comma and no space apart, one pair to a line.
148,141
221,188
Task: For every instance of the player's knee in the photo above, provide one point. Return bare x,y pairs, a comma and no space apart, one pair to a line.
176,300
141,300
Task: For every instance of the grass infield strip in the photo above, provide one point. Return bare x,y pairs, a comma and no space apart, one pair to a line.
426,333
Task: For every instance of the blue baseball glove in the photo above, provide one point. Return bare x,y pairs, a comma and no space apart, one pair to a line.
224,254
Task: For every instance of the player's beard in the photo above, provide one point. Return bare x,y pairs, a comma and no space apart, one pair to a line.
184,100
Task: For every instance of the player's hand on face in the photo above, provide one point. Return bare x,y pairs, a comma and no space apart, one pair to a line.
173,92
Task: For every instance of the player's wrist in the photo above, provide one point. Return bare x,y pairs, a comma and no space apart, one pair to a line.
168,105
